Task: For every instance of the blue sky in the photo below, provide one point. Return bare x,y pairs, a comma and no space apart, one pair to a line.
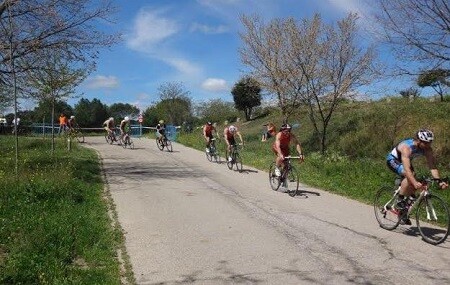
195,42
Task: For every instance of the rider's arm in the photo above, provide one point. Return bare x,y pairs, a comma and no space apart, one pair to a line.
297,146
278,145
406,161
431,161
225,136
240,137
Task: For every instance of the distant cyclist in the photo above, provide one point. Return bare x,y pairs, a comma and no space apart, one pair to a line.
229,135
399,161
71,123
109,127
208,130
161,130
124,127
281,145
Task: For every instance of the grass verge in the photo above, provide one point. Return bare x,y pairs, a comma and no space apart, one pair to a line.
55,227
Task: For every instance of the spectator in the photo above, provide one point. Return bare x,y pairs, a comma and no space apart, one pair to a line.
62,123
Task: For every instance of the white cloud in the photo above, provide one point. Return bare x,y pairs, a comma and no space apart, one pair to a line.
149,29
100,81
183,66
208,29
215,85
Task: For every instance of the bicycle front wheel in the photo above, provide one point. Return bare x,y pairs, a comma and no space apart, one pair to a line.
274,180
230,162
169,146
159,144
209,154
384,204
292,181
238,162
433,219
80,137
108,139
216,156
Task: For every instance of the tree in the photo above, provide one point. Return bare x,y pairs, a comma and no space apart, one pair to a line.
42,112
308,64
216,111
246,96
175,104
437,79
91,113
417,30
120,110
410,93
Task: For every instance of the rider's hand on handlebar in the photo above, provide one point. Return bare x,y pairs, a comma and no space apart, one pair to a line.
443,184
418,185
301,158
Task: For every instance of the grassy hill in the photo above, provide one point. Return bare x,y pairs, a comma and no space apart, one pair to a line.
359,136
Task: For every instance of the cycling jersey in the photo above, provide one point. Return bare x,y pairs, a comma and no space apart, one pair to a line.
160,128
123,125
71,123
208,129
109,123
394,158
285,139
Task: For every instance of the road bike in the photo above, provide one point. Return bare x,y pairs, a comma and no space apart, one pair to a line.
288,178
111,137
212,154
233,158
127,141
431,211
75,133
164,142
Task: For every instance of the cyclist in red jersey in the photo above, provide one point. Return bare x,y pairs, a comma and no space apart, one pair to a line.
229,133
208,130
281,146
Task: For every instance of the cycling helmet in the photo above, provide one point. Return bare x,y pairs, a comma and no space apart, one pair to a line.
126,119
111,118
209,123
286,127
72,117
161,121
232,128
425,135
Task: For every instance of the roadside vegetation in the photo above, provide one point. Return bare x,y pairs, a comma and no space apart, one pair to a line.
54,222
360,136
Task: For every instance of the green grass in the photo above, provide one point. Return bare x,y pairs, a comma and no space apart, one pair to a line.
55,227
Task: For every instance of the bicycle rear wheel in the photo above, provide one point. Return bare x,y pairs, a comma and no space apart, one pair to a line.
274,180
237,162
80,137
433,219
168,144
216,156
209,154
108,139
159,144
292,181
387,215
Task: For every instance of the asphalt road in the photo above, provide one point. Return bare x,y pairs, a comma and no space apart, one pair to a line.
187,220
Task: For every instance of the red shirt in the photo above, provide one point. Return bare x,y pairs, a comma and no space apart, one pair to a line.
208,130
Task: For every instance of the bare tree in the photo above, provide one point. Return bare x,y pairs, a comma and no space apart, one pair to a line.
308,63
418,31
175,102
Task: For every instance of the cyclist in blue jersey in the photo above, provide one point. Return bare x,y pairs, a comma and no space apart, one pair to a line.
399,161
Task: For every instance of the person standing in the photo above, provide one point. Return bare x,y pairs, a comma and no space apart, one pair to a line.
62,123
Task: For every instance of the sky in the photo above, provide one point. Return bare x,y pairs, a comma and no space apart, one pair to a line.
193,42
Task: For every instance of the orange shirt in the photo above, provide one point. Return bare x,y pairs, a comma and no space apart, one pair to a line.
62,120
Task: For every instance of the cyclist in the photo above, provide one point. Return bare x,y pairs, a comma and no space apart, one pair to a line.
71,123
124,126
399,161
109,127
161,130
271,132
229,135
208,130
281,146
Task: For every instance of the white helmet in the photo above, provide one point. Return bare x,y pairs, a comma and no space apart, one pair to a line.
425,135
127,119
232,128
72,117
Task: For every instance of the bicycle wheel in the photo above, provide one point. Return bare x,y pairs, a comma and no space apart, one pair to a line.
216,156
108,139
209,154
130,143
274,180
168,144
292,181
237,162
433,219
230,162
80,137
159,145
124,142
384,204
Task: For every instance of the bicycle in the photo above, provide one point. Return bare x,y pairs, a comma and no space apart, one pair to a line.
111,137
212,152
75,133
127,141
164,142
236,160
432,214
288,174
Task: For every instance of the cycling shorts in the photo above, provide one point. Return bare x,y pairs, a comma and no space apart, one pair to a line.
231,141
397,167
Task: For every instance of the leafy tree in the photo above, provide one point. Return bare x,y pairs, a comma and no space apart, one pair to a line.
437,79
410,93
175,106
120,110
246,96
91,113
42,112
216,111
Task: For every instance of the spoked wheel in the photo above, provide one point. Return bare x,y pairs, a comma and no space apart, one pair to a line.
108,139
216,156
229,162
274,180
209,154
292,181
168,144
159,144
237,162
130,143
124,142
433,219
80,137
384,205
